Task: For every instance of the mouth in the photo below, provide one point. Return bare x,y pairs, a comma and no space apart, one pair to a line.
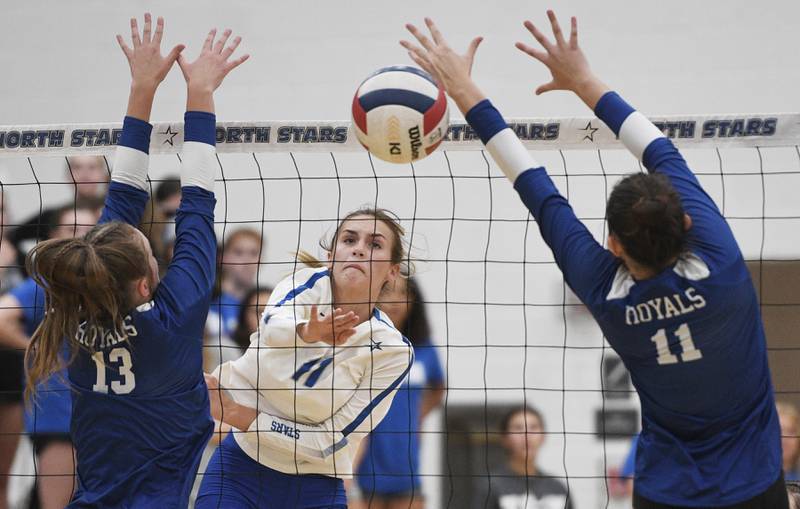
356,266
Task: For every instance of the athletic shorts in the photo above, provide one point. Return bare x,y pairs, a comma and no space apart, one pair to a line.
12,374
234,480
774,498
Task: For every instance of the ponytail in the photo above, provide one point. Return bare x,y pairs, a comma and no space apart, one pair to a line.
84,281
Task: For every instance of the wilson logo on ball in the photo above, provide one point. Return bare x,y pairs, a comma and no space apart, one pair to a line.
400,114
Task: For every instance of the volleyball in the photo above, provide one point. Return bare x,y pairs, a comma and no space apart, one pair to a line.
400,114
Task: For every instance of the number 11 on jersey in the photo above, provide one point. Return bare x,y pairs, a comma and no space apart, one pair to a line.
688,351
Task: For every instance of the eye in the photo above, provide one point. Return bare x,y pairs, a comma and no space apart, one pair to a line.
376,245
348,240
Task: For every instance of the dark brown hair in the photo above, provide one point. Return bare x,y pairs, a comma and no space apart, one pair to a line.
84,280
505,422
241,336
416,328
645,213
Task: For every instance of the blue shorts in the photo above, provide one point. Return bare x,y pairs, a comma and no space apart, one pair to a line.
234,480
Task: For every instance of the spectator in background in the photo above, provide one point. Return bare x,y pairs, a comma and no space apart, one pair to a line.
47,421
388,467
520,483
236,275
250,311
237,272
89,175
158,221
790,439
10,271
167,195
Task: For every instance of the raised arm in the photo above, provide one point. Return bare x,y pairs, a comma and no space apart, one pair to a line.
185,292
570,71
580,257
128,192
352,422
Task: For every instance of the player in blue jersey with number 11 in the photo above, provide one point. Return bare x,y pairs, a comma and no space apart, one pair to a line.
140,408
672,293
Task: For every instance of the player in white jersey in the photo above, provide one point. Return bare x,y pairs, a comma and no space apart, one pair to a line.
319,375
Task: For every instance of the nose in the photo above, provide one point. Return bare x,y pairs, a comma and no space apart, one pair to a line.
359,250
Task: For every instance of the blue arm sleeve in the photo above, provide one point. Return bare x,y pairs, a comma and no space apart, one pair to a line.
185,293
124,202
586,265
710,235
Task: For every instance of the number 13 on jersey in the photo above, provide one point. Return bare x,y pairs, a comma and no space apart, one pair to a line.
120,359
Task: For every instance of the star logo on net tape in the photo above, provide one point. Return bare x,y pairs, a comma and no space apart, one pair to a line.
589,130
170,136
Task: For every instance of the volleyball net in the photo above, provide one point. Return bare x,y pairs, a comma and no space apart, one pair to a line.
506,328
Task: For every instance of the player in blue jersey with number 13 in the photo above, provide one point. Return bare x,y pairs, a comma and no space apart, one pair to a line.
672,293
140,411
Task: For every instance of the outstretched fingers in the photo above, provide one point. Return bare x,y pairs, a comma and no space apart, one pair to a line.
535,53
125,48
421,37
159,33
435,33
233,64
148,24
539,36
573,33
209,42
228,51
556,27
135,33
222,41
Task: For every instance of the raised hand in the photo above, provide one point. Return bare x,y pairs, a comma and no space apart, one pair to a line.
334,329
451,70
212,65
565,60
148,66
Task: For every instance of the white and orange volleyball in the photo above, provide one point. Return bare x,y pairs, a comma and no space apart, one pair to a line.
400,114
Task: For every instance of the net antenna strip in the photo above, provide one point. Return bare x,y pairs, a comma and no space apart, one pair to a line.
740,130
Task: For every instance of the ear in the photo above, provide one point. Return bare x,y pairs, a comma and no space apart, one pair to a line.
143,290
614,245
687,222
393,274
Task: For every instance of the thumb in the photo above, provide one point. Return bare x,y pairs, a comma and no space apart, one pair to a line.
547,87
183,64
473,47
176,51
314,314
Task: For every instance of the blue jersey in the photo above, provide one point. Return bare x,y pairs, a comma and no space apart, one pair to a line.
691,337
50,412
140,408
390,462
224,313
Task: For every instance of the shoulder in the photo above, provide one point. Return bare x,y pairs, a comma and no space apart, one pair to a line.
303,280
389,340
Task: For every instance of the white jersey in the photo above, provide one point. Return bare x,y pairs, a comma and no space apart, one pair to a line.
315,401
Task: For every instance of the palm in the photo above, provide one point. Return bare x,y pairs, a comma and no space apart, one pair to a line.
147,64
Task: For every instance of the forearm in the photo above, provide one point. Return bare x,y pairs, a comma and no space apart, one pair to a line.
591,90
199,98
140,100
466,96
431,399
239,416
